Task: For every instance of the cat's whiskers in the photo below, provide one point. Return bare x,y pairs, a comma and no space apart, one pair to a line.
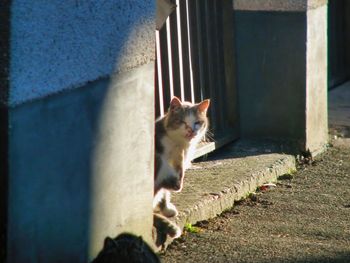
209,135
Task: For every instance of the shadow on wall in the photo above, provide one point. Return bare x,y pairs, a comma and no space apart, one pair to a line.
73,179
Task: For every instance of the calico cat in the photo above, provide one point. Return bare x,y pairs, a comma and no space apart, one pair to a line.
126,248
177,135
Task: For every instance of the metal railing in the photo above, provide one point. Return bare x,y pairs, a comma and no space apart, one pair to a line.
195,61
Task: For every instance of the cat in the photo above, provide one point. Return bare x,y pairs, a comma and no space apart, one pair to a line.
126,248
178,133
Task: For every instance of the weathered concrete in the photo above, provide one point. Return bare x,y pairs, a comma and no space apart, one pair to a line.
304,219
4,91
338,42
339,109
81,169
278,5
316,80
77,122
282,75
59,45
271,67
231,174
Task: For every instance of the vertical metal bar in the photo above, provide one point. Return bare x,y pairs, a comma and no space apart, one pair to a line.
175,52
229,62
211,61
159,75
220,72
201,54
194,51
179,35
170,56
190,62
156,88
183,49
165,66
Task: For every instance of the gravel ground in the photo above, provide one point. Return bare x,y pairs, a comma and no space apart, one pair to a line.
306,218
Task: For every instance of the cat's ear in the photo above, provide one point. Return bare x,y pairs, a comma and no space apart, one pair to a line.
108,243
175,103
203,106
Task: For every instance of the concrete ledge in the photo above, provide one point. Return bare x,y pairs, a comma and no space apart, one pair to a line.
278,5
214,185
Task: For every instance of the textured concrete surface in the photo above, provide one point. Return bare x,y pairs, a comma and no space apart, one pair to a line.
271,67
278,5
316,80
73,177
339,106
304,219
58,45
338,42
5,23
4,89
282,76
212,186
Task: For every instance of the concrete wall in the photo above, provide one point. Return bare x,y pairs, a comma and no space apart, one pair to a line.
338,42
4,88
281,50
317,79
271,66
80,127
81,169
57,45
278,5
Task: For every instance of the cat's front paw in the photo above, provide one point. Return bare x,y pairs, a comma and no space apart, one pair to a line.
170,210
179,180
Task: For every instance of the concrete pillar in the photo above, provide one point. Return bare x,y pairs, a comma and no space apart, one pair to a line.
281,49
77,126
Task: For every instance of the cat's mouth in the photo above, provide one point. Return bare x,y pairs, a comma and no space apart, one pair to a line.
190,135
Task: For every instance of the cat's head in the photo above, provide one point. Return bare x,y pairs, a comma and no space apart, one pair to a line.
187,121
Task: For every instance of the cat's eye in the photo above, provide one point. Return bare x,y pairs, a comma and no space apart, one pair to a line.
198,123
179,122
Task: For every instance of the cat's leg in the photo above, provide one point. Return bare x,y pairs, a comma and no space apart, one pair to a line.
180,170
162,204
167,208
157,199
162,228
167,177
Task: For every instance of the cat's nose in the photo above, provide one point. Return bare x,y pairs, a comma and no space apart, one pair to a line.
192,133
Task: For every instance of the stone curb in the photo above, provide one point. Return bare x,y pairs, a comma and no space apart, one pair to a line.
215,203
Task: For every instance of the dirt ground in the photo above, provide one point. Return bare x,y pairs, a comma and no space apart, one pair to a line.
305,218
